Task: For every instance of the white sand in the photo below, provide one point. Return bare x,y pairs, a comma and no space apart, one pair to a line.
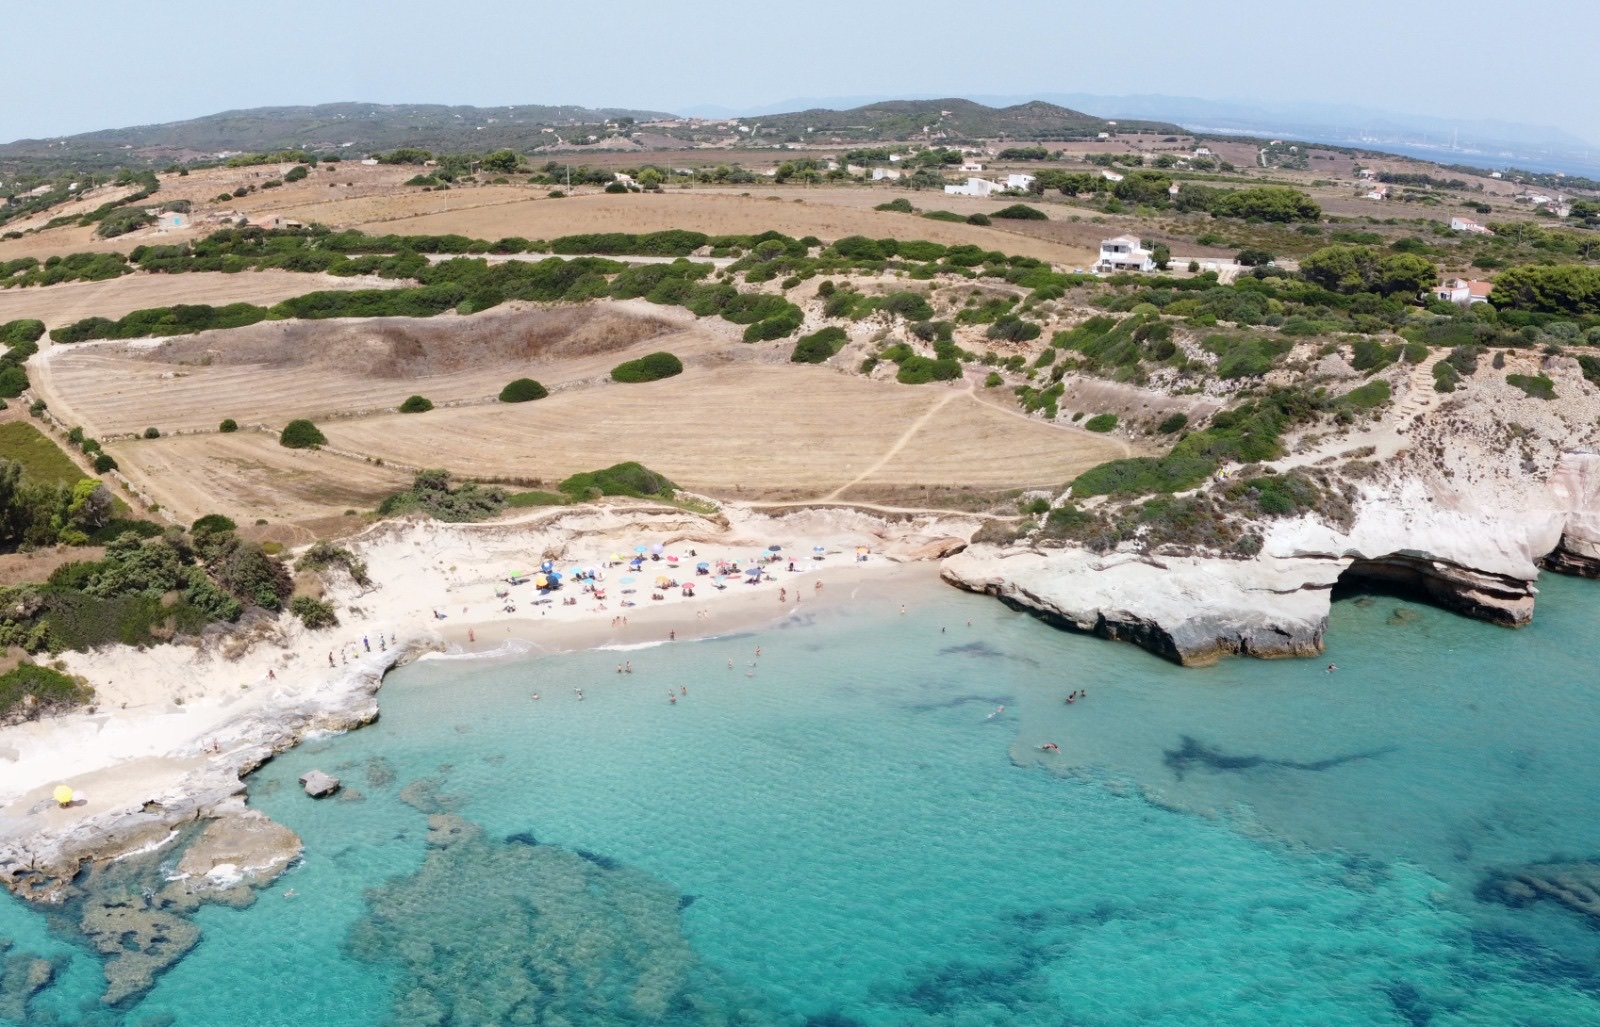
158,711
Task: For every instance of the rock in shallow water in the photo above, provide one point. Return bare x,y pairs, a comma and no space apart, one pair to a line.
319,785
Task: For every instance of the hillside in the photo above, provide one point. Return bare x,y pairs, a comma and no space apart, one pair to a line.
359,127
949,119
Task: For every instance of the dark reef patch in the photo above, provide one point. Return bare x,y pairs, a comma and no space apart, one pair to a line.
1196,755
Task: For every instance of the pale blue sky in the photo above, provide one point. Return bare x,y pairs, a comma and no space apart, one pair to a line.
91,64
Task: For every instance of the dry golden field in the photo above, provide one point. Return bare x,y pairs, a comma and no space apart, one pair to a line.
62,304
248,476
740,422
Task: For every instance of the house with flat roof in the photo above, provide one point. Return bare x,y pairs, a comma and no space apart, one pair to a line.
1463,291
975,187
1468,225
1124,253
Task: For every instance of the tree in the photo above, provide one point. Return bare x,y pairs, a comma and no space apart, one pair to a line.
1405,274
502,162
1161,253
416,405
521,390
650,178
301,434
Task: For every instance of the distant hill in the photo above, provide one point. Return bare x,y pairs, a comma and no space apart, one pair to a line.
949,119
360,127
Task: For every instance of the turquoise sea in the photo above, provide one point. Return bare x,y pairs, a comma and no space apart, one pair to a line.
842,835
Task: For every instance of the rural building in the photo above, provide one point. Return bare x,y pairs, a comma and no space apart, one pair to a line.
975,187
973,166
881,174
1019,181
1464,292
1111,176
1368,173
1468,225
1378,192
1202,152
622,179
1124,253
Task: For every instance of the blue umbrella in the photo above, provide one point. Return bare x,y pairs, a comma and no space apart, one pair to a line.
641,549
627,581
547,566
774,549
702,566
754,572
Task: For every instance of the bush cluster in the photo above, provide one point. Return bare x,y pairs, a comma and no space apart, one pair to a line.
649,368
522,390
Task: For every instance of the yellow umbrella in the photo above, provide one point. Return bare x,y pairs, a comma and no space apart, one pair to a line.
540,581
63,795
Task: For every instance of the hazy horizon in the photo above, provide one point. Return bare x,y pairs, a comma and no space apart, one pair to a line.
1438,64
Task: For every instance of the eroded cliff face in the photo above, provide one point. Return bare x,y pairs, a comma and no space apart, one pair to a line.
1477,552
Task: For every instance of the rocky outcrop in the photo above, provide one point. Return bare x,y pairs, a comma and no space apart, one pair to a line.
1477,558
1191,611
39,860
319,785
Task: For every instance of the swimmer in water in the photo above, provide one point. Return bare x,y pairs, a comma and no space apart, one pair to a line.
536,696
997,711
1049,747
684,689
289,894
580,693
1331,668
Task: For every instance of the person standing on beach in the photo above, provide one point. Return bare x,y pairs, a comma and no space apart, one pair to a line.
366,644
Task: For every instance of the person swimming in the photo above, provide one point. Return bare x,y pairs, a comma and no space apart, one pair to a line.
580,693
1049,747
997,711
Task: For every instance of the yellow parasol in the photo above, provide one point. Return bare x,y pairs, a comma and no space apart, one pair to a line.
63,795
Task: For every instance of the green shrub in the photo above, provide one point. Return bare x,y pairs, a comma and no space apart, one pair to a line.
416,405
13,381
104,463
819,346
625,479
993,380
653,367
314,613
228,426
211,524
28,691
1445,377
522,390
301,434
944,215
978,219
1370,396
432,494
1535,386
918,370
898,206
152,433
21,332
1021,212
1101,422
1173,423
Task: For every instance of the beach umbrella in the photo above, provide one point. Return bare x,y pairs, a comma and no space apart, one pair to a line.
616,556
817,549
702,566
63,795
547,566
754,572
862,550
672,559
540,581
641,549
628,581
774,549
657,548
554,578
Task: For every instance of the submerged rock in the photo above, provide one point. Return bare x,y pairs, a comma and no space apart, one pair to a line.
319,785
501,932
1575,885
21,977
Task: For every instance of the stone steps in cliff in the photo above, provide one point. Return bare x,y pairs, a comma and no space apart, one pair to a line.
1420,396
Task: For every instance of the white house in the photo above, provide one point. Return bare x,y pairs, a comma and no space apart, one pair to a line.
1464,292
1111,176
974,187
1468,225
1378,192
884,174
622,179
1202,152
972,166
1368,173
1019,182
1124,254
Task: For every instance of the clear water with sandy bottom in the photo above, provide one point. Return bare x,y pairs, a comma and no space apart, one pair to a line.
843,834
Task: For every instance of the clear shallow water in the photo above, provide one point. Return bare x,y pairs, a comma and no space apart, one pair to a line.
846,834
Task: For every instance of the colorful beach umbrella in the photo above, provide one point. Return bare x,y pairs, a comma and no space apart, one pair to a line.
658,547
672,559
628,581
547,566
63,795
641,549
774,549
754,572
702,566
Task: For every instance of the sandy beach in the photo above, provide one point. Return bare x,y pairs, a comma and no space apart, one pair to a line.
174,729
